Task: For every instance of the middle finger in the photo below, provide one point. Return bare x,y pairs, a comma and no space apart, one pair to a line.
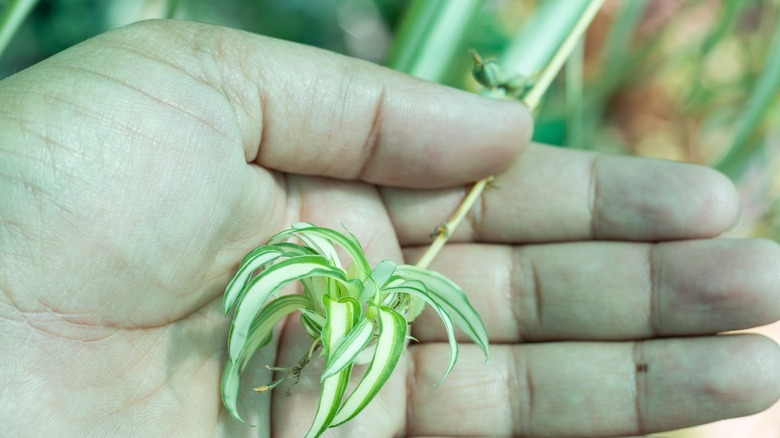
555,195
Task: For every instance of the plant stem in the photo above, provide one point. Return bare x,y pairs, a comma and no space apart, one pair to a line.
549,73
575,97
531,100
443,232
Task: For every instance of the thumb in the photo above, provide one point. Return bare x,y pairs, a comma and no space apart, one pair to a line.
305,110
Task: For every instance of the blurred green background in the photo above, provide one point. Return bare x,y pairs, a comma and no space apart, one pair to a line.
693,80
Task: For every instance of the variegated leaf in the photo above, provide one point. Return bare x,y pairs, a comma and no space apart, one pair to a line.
312,322
418,290
346,241
260,332
349,347
255,260
340,317
268,283
454,301
389,348
378,278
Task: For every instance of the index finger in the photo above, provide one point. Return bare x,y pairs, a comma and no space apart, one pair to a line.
305,110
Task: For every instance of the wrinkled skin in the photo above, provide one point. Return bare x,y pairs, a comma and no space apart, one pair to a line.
139,167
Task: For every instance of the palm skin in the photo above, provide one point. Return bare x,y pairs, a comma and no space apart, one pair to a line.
142,165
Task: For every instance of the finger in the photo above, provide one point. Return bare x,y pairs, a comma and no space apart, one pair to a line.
554,194
612,291
592,389
306,110
344,205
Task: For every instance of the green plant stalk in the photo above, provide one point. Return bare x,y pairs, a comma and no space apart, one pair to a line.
733,163
13,17
432,35
562,53
575,116
532,100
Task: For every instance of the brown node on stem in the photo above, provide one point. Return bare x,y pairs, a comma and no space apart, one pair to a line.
491,183
475,56
440,230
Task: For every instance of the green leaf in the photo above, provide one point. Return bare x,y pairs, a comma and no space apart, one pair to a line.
454,301
340,317
344,354
333,289
260,333
230,387
347,241
253,261
418,290
389,348
286,248
383,271
414,308
268,283
11,19
315,288
262,327
314,317
378,278
250,265
312,322
431,36
408,305
330,340
321,245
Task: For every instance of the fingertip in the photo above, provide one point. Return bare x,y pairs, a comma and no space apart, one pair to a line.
719,209
762,257
754,385
714,378
520,125
717,285
506,119
707,201
467,137
662,200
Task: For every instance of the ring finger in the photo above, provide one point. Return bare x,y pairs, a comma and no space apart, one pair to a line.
611,290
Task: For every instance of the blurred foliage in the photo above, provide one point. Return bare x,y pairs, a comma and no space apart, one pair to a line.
671,79
360,28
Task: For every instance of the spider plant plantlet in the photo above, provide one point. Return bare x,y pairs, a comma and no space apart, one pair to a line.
346,308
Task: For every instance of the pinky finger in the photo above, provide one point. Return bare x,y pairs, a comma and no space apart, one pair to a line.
593,388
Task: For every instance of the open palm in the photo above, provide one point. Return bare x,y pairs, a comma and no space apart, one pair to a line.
139,167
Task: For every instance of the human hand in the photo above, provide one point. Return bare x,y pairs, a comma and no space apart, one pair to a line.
139,167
